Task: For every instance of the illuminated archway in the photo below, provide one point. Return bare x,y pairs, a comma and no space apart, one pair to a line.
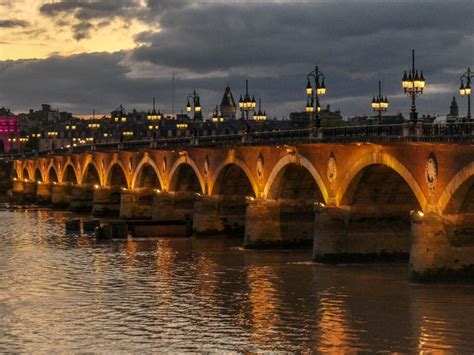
458,196
147,175
116,176
380,201
53,175
185,177
91,175
301,165
69,175
388,161
292,189
26,174
232,180
38,175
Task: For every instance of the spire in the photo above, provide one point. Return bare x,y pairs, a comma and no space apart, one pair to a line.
453,108
228,98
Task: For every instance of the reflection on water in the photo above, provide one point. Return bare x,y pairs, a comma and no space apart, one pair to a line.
66,292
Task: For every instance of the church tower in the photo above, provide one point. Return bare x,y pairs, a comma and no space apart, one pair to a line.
228,106
453,108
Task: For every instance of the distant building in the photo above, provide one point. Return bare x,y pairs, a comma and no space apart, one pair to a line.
9,131
453,108
452,116
228,106
328,118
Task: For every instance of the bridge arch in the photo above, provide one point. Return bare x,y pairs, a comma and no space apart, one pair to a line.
295,164
70,174
233,177
185,176
346,190
38,175
458,196
90,175
52,174
147,174
116,175
26,173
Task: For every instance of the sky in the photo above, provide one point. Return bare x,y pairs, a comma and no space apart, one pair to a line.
80,55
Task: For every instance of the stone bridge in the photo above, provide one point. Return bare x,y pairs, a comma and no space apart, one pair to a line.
346,200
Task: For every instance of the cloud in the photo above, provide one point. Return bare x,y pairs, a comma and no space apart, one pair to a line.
13,23
273,43
86,14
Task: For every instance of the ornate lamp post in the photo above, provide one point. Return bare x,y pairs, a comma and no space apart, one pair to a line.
260,115
312,103
380,103
413,84
217,116
196,105
246,105
194,97
154,120
466,90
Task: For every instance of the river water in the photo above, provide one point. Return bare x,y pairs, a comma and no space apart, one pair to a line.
65,292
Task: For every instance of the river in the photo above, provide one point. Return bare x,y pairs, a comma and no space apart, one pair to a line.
69,293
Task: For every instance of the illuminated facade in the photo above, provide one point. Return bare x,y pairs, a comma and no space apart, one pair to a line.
9,131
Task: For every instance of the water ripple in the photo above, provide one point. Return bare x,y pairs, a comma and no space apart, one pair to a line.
62,292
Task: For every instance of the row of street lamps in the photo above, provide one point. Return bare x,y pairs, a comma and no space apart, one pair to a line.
413,83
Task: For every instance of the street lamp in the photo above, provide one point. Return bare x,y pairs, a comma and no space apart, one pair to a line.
413,84
216,116
154,116
196,104
380,103
246,105
466,90
260,115
312,102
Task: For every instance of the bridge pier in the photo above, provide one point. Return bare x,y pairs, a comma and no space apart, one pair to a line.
136,203
43,193
172,206
81,198
219,214
18,191
23,191
60,195
442,247
343,235
106,201
279,223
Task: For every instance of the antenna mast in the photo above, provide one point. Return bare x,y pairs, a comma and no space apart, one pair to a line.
172,95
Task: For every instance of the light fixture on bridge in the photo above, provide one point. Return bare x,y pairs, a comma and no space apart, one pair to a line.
413,85
380,103
310,106
312,103
217,116
260,115
196,104
153,115
466,90
247,104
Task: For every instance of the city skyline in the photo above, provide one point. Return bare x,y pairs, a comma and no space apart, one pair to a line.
76,56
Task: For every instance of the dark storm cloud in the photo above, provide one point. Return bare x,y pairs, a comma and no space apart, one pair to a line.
85,11
13,23
274,44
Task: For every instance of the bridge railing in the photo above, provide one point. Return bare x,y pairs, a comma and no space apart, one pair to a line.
446,132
